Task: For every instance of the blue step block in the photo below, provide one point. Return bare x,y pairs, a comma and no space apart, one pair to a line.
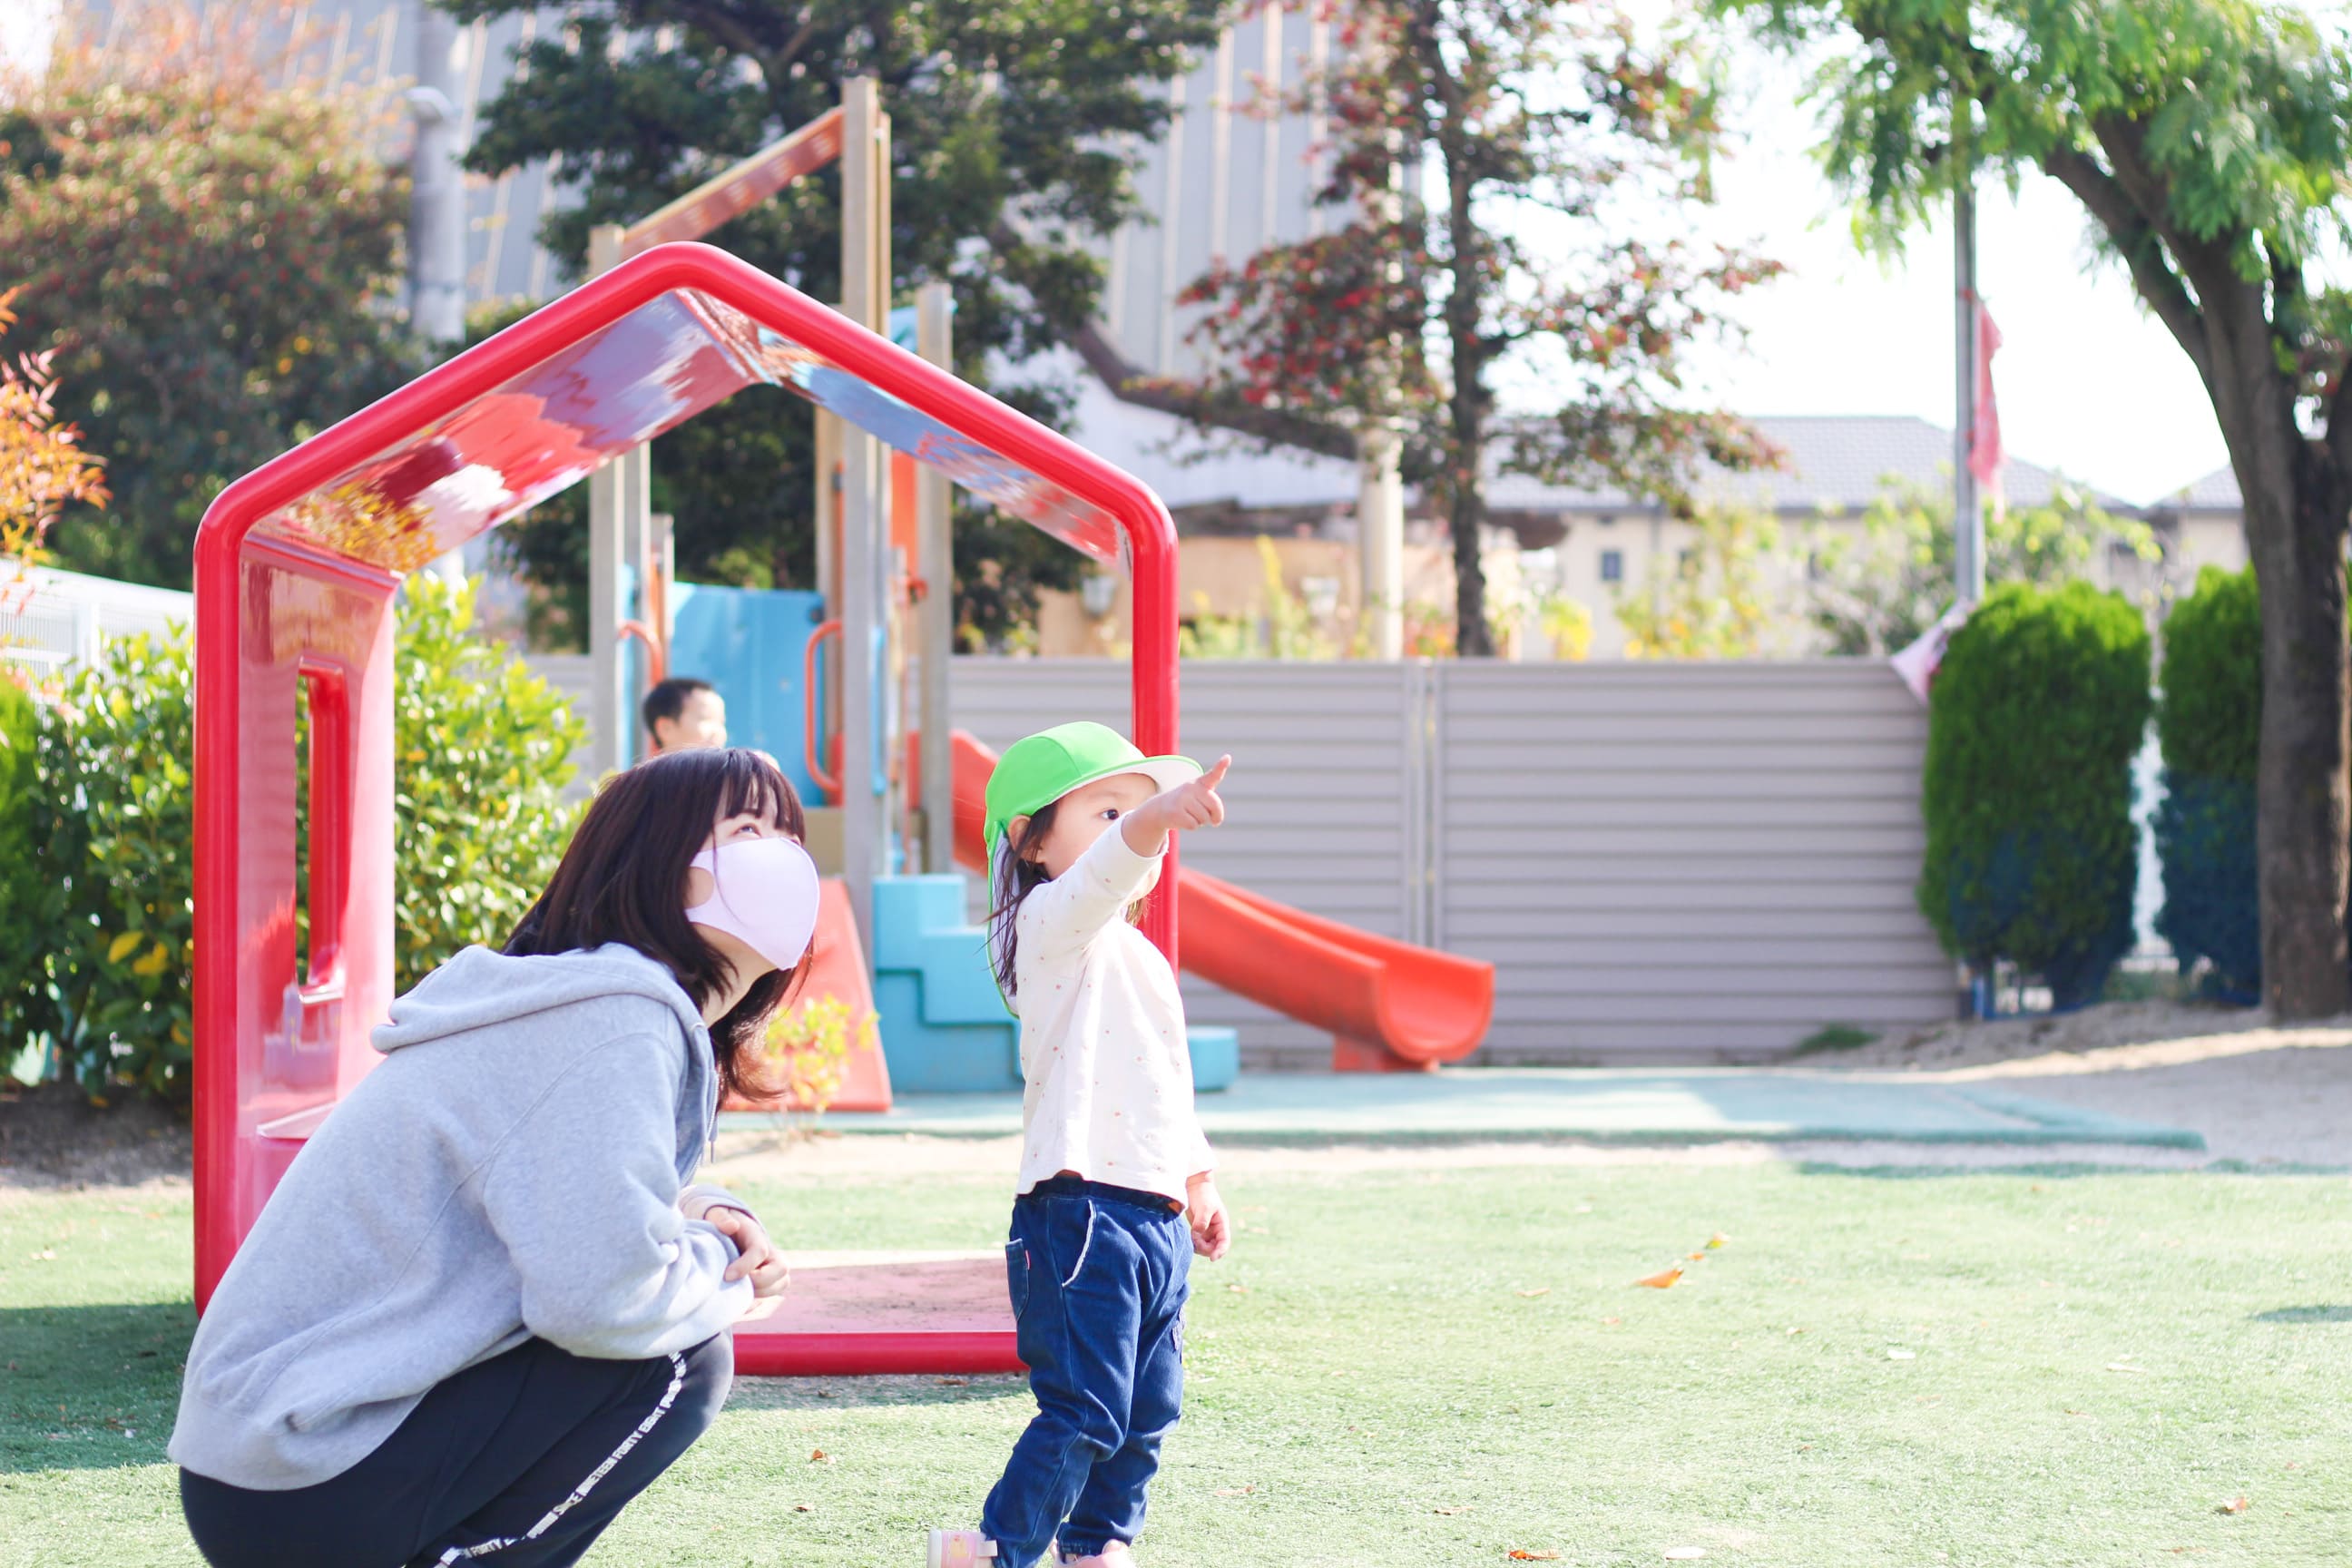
941,1058
1216,1057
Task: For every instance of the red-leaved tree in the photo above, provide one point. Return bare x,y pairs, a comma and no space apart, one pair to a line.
1511,175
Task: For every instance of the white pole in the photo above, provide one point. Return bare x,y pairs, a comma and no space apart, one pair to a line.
437,205
935,619
608,716
1379,539
1967,512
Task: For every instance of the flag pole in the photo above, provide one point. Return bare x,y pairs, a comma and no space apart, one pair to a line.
1967,512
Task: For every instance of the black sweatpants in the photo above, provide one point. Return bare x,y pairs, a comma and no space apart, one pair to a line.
520,1462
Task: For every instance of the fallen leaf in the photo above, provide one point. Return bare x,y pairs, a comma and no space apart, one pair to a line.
1463,1508
1718,1239
1663,1279
2235,1505
1238,1290
2126,1366
1235,1491
1540,1290
1685,1554
1795,1331
1694,1256
803,1508
955,1382
819,1456
1520,1554
47,1255
1611,1322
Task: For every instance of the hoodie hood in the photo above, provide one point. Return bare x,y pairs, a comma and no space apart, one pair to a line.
480,989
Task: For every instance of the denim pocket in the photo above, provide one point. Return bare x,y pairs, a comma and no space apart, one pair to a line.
1016,1275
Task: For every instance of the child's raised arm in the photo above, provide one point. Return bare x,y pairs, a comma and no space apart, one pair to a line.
1188,806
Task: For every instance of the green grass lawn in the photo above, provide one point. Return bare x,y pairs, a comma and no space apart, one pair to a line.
1440,1367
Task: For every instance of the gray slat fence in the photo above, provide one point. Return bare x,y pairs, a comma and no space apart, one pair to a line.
1664,861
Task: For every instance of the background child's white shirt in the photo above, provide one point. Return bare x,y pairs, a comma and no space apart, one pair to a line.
1108,1071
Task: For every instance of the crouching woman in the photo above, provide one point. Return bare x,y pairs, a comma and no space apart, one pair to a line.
486,1305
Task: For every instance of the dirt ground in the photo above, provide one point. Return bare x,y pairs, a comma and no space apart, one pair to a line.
2262,1095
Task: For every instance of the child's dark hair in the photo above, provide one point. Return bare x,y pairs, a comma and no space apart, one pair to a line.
1015,878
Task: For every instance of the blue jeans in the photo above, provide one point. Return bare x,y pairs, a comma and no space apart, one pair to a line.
1098,1276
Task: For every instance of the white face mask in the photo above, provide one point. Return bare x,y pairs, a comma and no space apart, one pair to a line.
765,893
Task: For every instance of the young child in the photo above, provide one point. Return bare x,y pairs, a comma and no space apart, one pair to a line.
1114,1192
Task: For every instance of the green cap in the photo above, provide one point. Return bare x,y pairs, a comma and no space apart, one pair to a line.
1036,772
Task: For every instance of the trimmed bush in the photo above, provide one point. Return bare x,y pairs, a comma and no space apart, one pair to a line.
481,749
2210,727
2035,715
27,903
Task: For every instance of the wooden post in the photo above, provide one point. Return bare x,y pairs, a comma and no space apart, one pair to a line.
863,537
608,716
935,616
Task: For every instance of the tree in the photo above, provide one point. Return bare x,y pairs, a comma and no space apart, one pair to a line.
1003,120
43,466
1716,599
207,256
1874,591
1555,132
2206,139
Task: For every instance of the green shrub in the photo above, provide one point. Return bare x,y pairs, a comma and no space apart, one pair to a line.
483,751
2210,726
2036,712
28,905
482,754
116,826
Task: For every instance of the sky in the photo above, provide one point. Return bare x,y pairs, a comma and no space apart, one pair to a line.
2087,382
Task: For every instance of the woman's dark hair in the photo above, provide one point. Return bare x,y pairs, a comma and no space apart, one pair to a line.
1017,876
623,879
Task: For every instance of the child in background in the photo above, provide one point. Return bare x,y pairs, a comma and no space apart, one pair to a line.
1114,1192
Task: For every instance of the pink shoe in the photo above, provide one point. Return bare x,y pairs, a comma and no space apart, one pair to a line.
959,1549
1113,1555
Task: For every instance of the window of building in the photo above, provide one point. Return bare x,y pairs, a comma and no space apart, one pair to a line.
1613,567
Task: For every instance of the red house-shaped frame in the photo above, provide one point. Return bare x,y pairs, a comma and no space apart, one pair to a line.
296,567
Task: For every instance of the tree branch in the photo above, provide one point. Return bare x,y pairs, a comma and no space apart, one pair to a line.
2142,249
1202,406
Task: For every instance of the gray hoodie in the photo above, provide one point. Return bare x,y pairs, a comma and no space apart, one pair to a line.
512,1169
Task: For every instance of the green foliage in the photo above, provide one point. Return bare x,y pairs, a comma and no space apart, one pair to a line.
1875,591
1715,600
2210,725
2036,713
210,255
1283,626
2211,721
118,829
25,895
481,749
482,752
1018,108
1567,147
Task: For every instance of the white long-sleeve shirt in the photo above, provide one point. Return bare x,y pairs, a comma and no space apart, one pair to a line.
1107,1069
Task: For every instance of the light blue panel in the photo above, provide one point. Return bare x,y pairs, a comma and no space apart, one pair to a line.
941,1058
905,909
752,644
1216,1057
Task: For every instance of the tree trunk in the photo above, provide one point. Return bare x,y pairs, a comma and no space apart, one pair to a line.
2295,518
1465,476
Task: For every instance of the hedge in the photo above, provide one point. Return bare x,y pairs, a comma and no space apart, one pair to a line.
481,749
2209,725
2034,717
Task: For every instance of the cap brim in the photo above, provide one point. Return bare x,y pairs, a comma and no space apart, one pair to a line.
1165,773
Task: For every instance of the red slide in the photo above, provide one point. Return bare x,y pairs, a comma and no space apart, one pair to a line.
1390,1007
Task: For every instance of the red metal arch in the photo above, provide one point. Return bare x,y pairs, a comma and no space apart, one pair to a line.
296,564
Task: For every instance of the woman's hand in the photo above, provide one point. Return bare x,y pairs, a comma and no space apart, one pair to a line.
761,1263
1211,1229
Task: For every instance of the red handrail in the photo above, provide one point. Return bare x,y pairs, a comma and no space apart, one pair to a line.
810,716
